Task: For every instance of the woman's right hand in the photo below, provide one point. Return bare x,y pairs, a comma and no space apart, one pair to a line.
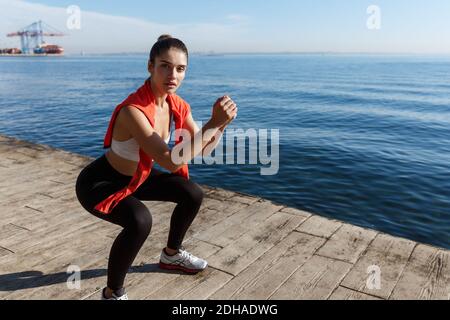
224,111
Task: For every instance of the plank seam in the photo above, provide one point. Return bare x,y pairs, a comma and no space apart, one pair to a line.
403,270
372,295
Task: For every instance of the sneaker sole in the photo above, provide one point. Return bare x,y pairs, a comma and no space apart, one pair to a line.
177,267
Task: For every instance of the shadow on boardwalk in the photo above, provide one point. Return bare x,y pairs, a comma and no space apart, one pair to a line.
36,279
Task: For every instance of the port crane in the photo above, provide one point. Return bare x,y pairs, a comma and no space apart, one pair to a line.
32,38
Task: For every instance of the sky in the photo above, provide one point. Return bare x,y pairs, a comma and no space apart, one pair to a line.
225,26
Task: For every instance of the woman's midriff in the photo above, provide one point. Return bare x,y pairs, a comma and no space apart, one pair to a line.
123,166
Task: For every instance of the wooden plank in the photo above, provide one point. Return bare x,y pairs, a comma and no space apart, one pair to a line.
93,279
10,229
319,226
161,223
52,255
296,211
17,216
44,203
93,267
68,225
53,285
38,255
250,246
316,279
207,189
13,179
225,207
156,241
27,156
21,190
208,281
48,268
4,139
194,287
209,216
62,192
204,220
261,278
426,276
57,218
146,278
244,199
342,293
160,230
257,249
221,194
5,252
239,223
18,196
390,255
348,243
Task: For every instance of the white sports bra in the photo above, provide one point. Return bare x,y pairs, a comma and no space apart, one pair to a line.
129,149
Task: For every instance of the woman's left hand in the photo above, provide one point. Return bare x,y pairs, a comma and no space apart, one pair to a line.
232,119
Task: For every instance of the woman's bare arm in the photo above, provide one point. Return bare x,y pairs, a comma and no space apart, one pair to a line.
224,111
153,145
193,128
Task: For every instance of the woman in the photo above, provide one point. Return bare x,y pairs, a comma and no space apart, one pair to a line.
113,186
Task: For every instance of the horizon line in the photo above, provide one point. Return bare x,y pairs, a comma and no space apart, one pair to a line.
214,53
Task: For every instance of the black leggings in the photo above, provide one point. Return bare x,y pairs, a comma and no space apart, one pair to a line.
99,179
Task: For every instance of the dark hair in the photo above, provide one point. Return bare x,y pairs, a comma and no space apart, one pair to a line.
165,43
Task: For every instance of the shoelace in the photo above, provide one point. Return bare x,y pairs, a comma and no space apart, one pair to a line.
186,255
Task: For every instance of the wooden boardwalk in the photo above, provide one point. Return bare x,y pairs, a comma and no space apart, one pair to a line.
256,249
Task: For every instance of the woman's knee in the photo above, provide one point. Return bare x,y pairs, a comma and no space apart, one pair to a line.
194,194
136,215
142,222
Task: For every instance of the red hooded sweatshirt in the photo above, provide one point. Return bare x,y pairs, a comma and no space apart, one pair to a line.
144,100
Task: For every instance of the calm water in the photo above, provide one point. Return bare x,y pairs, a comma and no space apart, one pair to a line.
364,139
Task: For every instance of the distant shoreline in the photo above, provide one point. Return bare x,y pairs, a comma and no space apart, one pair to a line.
212,54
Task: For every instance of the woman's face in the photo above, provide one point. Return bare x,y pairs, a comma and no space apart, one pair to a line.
168,70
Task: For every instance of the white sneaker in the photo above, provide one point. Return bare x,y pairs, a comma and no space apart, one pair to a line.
183,260
114,296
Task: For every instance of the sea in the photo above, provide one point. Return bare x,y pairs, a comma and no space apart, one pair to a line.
361,138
